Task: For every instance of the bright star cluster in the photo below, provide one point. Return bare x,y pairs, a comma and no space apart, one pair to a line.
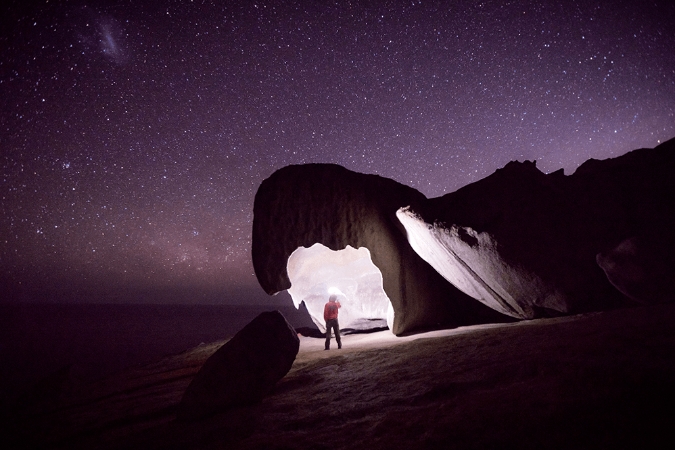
134,135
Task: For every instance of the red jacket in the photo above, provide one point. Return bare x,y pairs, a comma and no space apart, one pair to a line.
330,311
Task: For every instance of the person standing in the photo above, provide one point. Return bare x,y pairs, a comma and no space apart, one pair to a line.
330,315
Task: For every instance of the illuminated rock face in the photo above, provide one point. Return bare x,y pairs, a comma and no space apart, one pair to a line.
472,262
505,241
529,244
318,271
299,206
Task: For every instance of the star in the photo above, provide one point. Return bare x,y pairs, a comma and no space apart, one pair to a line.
134,138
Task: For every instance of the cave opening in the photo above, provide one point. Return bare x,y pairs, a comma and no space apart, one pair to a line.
317,272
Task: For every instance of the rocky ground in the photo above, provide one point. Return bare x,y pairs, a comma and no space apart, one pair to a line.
602,380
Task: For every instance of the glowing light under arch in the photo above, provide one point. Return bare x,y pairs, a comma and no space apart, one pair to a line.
317,272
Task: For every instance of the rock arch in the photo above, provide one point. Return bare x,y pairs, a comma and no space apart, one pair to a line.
298,206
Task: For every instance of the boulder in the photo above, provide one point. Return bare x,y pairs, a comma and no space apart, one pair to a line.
299,206
244,369
643,267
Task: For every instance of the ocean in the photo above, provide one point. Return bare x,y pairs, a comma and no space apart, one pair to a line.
98,340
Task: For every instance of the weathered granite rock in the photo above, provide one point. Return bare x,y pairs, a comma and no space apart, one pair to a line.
244,369
328,204
526,243
642,267
472,261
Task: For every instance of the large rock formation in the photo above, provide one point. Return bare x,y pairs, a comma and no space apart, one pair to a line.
244,369
524,243
299,206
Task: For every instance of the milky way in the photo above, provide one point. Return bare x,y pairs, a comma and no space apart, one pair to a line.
133,138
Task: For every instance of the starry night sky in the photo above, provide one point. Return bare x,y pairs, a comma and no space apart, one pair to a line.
134,135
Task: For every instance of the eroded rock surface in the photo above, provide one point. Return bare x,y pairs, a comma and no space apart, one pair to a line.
244,369
526,243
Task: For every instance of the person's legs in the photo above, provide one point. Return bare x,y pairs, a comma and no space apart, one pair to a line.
328,326
336,326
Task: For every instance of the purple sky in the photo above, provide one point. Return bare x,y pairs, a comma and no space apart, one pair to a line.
133,138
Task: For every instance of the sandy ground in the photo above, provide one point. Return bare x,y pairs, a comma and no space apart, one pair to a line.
603,380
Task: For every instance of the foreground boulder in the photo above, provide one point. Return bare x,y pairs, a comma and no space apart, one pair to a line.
244,369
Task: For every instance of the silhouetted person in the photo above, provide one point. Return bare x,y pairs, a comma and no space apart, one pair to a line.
330,315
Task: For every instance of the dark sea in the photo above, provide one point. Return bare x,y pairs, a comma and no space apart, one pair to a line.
98,340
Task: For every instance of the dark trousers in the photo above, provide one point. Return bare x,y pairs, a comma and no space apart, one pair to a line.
333,323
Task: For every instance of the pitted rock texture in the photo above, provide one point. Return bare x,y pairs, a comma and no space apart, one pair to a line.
325,203
244,369
536,245
472,262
